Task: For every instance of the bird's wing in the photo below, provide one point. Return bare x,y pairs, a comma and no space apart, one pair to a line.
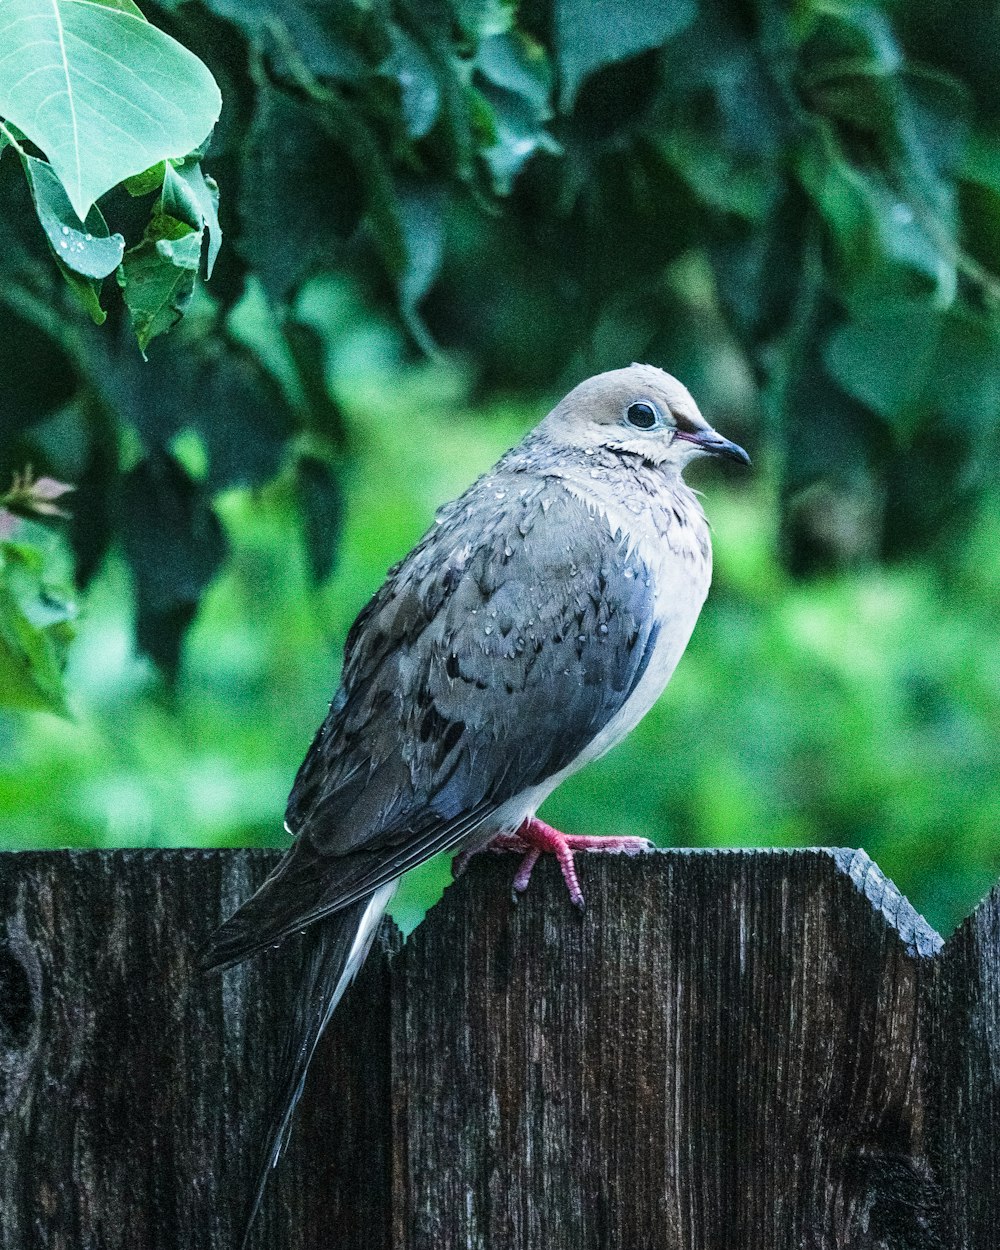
488,661
490,658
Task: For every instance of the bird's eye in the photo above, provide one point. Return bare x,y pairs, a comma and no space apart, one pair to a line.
642,416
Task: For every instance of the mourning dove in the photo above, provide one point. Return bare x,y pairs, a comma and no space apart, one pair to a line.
529,630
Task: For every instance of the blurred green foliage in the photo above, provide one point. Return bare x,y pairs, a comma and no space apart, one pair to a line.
438,216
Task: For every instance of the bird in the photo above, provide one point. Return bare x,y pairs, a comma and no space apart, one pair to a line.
528,631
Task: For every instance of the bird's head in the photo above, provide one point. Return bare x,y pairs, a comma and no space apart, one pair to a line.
641,411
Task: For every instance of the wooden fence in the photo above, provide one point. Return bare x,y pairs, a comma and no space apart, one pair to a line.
729,1051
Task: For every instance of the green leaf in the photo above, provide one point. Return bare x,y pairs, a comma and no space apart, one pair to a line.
90,249
231,382
482,18
315,33
157,277
893,134
101,92
876,228
520,66
590,34
87,292
720,177
421,215
966,377
34,630
192,198
518,135
171,515
302,186
885,360
321,508
420,96
514,78
29,675
149,180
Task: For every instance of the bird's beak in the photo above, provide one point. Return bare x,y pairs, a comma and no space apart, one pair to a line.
715,445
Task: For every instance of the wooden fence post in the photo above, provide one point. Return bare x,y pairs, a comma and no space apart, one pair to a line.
728,1051
962,1009
132,1087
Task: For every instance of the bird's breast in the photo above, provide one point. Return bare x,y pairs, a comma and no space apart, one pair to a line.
670,537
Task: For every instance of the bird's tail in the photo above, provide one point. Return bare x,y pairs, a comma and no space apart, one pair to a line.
333,951
290,899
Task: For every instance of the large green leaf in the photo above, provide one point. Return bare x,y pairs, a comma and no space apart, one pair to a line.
100,91
885,359
590,34
515,79
168,512
313,33
303,192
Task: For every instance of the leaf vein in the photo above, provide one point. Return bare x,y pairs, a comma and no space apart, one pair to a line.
131,105
69,96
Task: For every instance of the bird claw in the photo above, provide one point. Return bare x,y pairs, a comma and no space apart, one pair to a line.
502,842
534,838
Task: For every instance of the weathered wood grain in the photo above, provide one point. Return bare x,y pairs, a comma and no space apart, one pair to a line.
132,1088
963,1011
724,1052
728,1051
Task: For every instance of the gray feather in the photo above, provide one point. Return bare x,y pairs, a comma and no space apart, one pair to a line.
485,664
490,658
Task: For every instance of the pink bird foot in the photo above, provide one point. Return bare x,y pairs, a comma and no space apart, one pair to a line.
535,837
